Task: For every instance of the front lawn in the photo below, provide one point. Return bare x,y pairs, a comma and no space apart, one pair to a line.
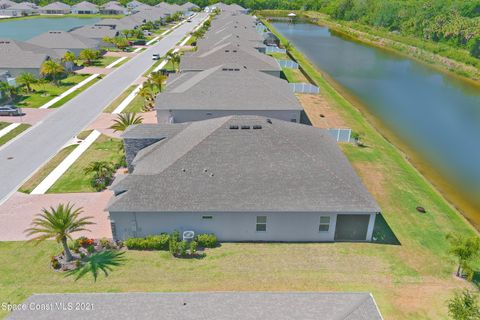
75,180
101,62
47,91
12,134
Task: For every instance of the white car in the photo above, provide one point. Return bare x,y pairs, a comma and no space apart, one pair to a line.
156,56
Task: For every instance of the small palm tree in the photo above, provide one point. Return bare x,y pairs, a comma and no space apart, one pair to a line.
146,93
69,59
124,120
465,249
87,55
174,57
27,79
288,45
58,223
102,173
10,91
100,261
51,68
158,79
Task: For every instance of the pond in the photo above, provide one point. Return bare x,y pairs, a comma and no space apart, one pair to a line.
24,29
434,113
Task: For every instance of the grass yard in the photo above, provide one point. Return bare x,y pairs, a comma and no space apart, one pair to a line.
45,170
72,95
12,134
75,180
47,91
420,273
119,100
279,56
294,75
102,62
4,124
136,105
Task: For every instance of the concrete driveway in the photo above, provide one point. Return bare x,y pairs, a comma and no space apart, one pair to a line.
21,158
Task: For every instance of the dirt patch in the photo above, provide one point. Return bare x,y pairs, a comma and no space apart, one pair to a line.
320,112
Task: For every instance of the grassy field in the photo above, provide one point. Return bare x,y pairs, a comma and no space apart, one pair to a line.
45,170
75,180
47,91
12,134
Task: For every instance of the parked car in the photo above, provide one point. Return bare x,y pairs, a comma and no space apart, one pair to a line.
140,42
156,56
189,20
9,110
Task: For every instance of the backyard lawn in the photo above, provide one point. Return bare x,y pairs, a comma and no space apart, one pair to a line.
12,134
47,91
294,75
75,180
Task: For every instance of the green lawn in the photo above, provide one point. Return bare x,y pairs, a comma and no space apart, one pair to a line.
46,92
294,75
102,62
72,95
45,170
4,124
279,56
12,134
421,263
136,105
75,180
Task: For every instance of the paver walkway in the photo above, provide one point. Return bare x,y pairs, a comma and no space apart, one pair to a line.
120,54
31,116
17,212
94,70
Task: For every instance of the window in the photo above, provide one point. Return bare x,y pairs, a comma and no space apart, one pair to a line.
207,217
324,224
261,224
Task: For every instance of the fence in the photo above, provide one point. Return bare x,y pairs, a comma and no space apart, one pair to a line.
341,135
304,88
261,28
272,49
288,64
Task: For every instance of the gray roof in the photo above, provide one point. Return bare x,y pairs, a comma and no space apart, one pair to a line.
6,3
85,5
64,40
21,6
208,305
189,6
208,167
19,54
233,89
114,6
229,53
95,32
56,6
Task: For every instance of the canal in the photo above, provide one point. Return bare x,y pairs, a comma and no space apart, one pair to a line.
433,113
24,29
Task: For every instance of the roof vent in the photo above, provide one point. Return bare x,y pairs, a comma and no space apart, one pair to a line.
256,127
184,170
234,127
245,127
205,170
269,121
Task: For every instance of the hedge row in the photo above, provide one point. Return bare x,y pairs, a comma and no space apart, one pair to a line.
161,242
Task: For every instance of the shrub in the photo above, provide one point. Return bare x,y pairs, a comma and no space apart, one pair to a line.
207,240
193,247
173,245
182,248
159,242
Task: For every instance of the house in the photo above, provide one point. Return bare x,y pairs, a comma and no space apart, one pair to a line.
56,8
133,4
6,3
226,90
19,10
63,41
212,306
189,6
113,8
230,53
96,32
243,178
85,7
19,57
167,8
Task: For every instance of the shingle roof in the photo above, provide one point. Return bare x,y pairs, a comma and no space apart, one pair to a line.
95,32
64,40
282,167
208,305
232,89
189,6
19,54
85,5
6,3
21,6
56,6
112,5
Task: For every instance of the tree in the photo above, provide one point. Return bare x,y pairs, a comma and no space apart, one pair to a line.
102,173
158,79
464,306
124,120
27,79
287,45
465,249
88,55
51,68
146,93
69,59
474,47
10,91
100,261
174,57
58,223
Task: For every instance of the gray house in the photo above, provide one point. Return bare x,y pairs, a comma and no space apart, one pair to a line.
230,53
56,8
85,7
6,3
63,41
18,57
95,32
213,306
113,7
244,178
18,10
226,90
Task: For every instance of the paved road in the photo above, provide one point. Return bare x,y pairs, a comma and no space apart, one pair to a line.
21,158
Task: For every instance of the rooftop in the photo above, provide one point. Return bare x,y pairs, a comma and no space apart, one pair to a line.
19,54
60,39
56,6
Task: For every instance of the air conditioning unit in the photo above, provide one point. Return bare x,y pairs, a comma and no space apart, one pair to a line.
188,235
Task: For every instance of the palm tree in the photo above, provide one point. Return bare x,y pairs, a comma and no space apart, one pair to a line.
465,249
102,173
58,223
175,58
10,91
124,120
147,94
287,45
52,69
88,55
69,59
158,79
27,79
100,261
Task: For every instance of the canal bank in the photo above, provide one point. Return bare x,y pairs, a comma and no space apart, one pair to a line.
355,113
